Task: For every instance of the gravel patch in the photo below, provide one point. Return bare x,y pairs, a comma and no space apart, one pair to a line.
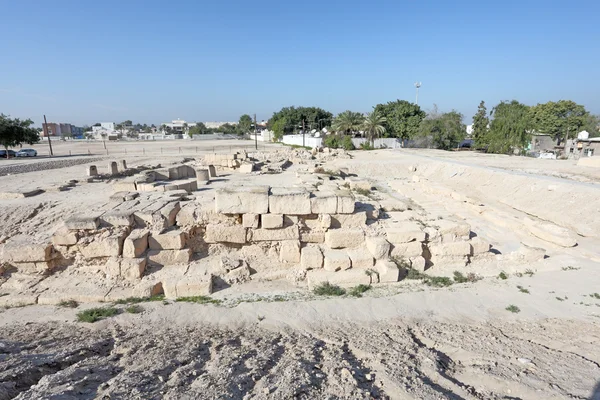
44,165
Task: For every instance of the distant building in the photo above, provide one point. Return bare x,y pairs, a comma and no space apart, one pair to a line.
541,142
212,124
61,130
176,127
106,131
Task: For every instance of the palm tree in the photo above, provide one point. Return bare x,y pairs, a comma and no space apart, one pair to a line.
348,122
373,126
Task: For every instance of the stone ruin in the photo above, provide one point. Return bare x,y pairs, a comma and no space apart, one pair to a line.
157,235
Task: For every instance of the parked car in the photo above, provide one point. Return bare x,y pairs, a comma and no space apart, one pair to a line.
549,155
27,153
11,153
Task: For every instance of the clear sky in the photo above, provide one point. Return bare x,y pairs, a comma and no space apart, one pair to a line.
151,61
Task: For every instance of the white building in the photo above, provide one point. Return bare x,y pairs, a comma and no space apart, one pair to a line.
177,126
106,131
213,124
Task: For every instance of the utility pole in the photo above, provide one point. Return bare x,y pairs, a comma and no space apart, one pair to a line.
48,136
303,132
417,85
255,134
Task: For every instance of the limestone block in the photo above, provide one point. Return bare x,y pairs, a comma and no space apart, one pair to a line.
19,251
344,238
117,218
371,208
92,170
451,249
551,233
136,243
271,221
345,202
323,202
479,246
124,186
289,251
406,250
148,289
111,246
161,174
388,271
146,187
238,275
336,260
312,236
325,221
265,235
418,263
348,278
289,220
528,253
212,172
65,237
83,222
449,262
389,205
194,286
174,173
218,233
355,220
133,268
170,211
404,233
250,220
452,230
113,168
360,258
292,201
169,257
311,257
311,222
112,267
246,168
202,175
357,183
242,200
172,240
378,246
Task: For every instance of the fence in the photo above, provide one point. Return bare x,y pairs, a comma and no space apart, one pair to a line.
298,140
390,143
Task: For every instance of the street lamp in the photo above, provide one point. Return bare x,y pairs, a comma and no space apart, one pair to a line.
417,85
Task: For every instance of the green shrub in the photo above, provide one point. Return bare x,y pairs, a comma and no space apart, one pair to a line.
331,141
68,304
198,299
327,289
346,143
358,290
134,309
513,309
522,289
438,281
366,146
502,275
136,300
96,314
459,277
595,295
362,192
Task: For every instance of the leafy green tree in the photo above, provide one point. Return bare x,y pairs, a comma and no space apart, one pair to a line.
510,127
373,126
244,124
14,132
592,125
481,124
313,117
278,128
446,130
348,122
402,118
561,119
198,129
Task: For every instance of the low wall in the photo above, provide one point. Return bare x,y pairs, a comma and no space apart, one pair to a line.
298,141
391,143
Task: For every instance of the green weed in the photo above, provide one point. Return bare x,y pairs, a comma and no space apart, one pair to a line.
513,309
95,314
327,289
358,290
198,300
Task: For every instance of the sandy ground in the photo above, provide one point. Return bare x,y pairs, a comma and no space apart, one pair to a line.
399,341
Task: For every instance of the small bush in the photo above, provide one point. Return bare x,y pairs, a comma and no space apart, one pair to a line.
438,281
95,314
68,304
529,272
327,289
136,300
459,277
358,290
595,296
561,299
513,309
403,263
346,143
570,268
198,299
414,274
366,146
503,275
134,309
522,289
331,141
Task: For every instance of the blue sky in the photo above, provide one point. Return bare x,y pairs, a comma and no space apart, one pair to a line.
153,61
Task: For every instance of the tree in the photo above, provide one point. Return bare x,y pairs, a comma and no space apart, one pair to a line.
198,129
373,126
278,128
592,125
481,124
446,130
313,117
402,118
14,132
348,122
510,127
244,124
560,119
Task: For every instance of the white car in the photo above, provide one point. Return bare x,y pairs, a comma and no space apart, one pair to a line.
549,155
27,153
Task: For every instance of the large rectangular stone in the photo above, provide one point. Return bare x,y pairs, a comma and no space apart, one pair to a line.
451,249
388,271
323,202
133,268
172,240
64,237
117,218
250,220
312,236
355,220
311,257
344,238
218,233
345,202
194,286
170,211
136,243
336,260
348,278
271,221
404,233
361,258
83,221
292,201
111,246
289,252
242,200
169,257
407,250
266,235
378,246
26,252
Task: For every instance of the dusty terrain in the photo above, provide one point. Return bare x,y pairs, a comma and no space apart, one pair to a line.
272,338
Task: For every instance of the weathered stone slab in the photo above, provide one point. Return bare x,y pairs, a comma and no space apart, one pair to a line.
345,202
265,235
348,278
218,233
92,170
83,221
405,232
212,172
388,271
20,251
169,211
242,200
361,258
136,243
378,246
355,220
323,202
407,250
551,233
172,240
111,246
246,168
344,238
311,257
169,257
117,218
292,201
64,237
289,252
479,246
312,236
271,221
133,268
250,220
194,286
451,249
336,260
